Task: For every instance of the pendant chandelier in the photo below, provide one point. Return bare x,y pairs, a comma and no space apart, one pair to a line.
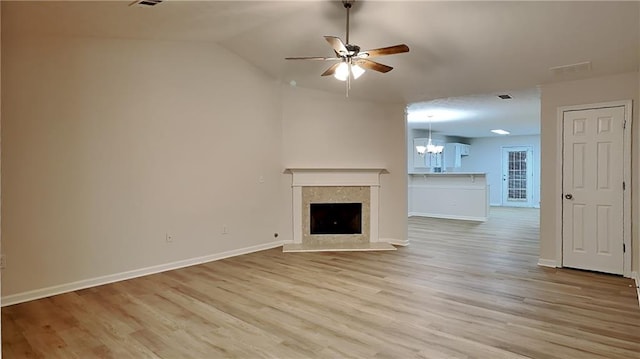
430,147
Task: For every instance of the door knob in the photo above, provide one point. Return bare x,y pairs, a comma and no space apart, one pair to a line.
568,196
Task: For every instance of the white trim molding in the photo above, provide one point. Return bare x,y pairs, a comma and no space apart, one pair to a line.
395,241
335,176
552,263
111,278
448,216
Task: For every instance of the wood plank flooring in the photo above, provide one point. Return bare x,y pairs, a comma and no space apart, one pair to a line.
460,290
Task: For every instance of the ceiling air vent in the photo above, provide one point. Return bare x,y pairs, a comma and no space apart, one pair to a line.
571,69
505,97
145,3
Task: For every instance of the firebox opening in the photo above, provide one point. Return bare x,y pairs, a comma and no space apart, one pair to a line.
336,218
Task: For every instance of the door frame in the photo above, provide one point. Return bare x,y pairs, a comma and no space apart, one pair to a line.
530,166
626,169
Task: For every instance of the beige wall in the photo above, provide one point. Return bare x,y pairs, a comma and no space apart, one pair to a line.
329,131
109,144
603,89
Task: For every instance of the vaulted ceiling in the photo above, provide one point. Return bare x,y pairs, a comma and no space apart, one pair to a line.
457,48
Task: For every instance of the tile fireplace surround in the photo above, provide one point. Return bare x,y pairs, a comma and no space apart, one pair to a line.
333,185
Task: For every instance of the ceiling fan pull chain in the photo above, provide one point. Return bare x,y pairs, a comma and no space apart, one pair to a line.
348,85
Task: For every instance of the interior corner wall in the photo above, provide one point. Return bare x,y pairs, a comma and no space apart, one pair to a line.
110,145
594,90
322,130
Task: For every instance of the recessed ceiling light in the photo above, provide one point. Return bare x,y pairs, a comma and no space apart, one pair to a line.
505,97
500,132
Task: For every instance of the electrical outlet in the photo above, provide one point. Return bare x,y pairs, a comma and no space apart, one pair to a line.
3,261
169,238
225,230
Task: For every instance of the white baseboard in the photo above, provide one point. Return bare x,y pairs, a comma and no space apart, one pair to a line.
501,205
93,282
395,241
446,216
636,278
547,263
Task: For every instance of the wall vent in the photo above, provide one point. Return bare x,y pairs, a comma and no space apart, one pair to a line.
571,69
145,3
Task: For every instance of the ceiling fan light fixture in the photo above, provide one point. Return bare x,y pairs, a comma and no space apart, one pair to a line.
342,72
431,148
356,71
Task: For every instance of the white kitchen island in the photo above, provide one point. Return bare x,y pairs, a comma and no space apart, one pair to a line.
453,195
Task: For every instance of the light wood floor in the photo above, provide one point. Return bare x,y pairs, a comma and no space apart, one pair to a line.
460,290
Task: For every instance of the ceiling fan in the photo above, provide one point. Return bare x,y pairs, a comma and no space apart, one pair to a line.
351,61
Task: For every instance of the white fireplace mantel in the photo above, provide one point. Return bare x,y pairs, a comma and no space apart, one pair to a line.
327,177
336,176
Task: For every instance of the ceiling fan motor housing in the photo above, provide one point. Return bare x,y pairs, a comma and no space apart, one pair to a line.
352,49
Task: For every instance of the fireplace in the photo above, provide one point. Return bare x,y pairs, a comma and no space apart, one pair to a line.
336,198
335,218
335,208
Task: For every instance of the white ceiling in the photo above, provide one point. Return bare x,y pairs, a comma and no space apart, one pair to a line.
457,48
474,116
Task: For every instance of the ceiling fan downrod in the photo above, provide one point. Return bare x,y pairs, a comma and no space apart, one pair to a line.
347,5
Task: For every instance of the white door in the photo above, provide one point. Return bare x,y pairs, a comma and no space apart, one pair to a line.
592,189
517,176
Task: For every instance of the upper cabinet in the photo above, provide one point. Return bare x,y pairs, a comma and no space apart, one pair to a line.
453,153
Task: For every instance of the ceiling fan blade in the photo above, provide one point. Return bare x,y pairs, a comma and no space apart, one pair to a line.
372,65
337,45
316,58
331,70
397,49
